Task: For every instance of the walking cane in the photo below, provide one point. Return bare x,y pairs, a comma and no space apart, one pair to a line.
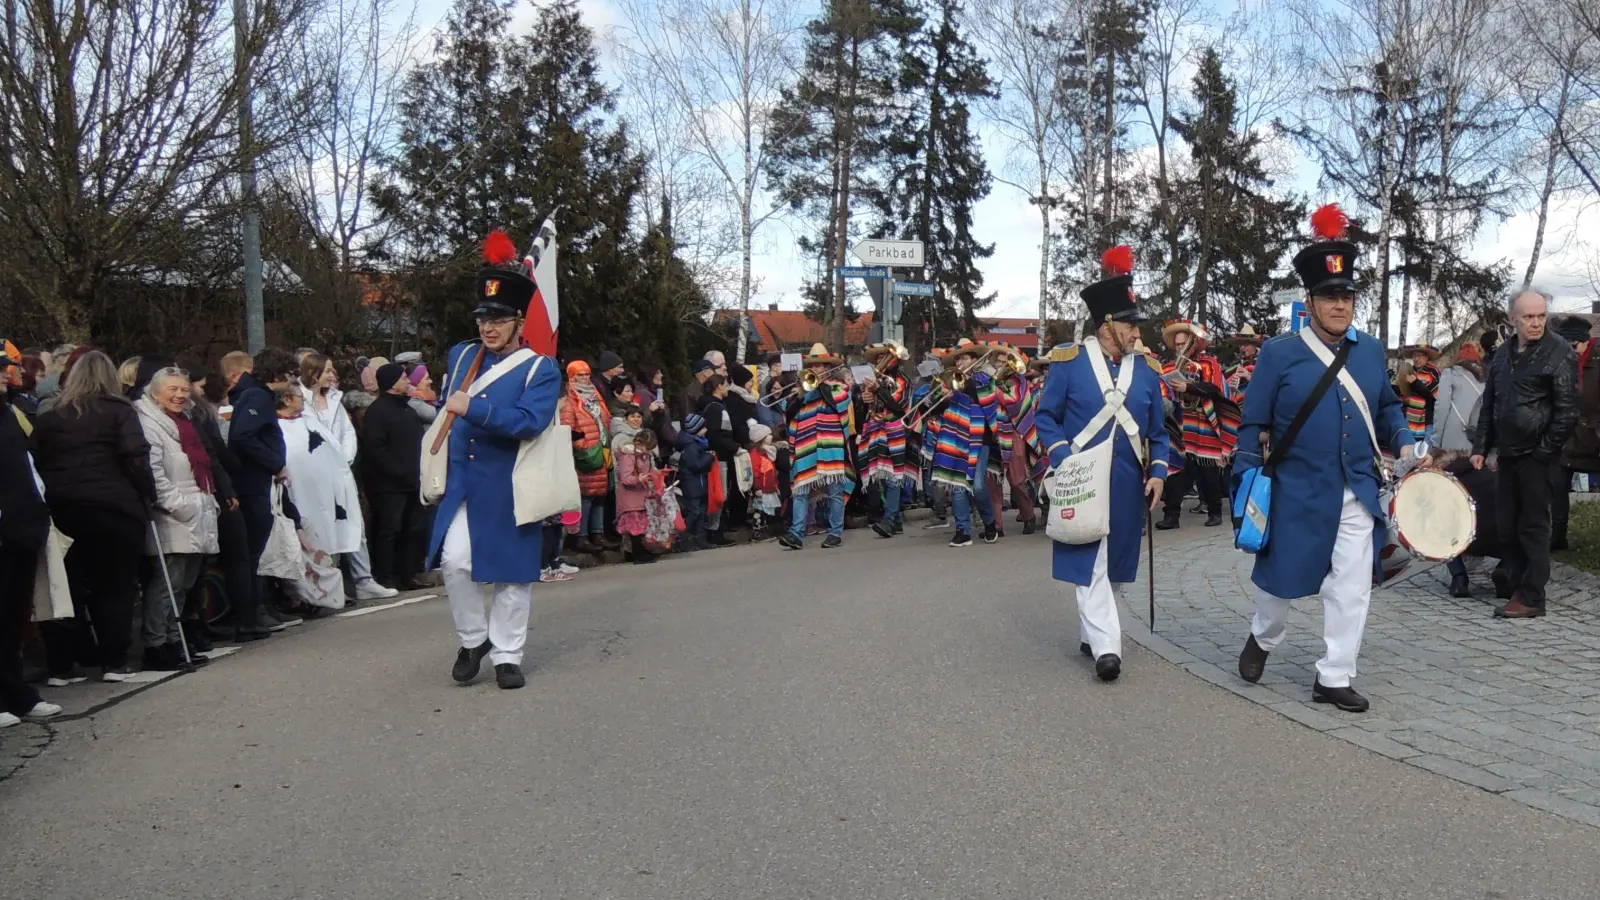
1150,538
172,597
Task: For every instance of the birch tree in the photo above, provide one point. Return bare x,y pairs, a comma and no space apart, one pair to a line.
720,65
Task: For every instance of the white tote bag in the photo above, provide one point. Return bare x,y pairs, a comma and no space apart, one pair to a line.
544,481
281,558
52,597
1080,491
435,467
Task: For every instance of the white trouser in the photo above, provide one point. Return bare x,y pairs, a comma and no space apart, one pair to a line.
1098,625
1346,594
506,624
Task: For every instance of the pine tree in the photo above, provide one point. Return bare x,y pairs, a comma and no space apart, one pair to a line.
498,131
937,173
1237,231
830,128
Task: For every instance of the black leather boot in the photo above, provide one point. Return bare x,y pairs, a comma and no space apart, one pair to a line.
1459,587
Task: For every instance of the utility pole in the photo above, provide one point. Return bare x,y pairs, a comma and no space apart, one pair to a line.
255,314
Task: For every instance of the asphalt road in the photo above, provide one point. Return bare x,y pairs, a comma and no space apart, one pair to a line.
891,719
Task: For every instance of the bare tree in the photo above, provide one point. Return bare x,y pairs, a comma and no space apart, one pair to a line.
118,138
721,64
1025,59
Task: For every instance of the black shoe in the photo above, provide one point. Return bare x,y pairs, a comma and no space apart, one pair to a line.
193,660
790,542
1085,649
468,660
899,528
582,544
246,635
1344,698
198,638
161,659
1252,660
962,539
1108,667
1168,522
990,533
1558,536
1027,527
1459,587
720,539
509,676
882,530
1502,584
1213,520
831,541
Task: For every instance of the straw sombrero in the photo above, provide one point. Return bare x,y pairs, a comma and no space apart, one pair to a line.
1410,349
819,354
874,353
1245,335
1201,335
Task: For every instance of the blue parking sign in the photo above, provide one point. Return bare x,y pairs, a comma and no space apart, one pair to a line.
1298,315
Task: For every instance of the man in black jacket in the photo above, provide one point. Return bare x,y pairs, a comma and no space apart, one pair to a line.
24,527
257,443
1530,405
391,451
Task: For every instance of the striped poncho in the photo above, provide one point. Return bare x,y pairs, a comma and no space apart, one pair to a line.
818,432
1210,420
1419,398
957,435
1018,402
881,451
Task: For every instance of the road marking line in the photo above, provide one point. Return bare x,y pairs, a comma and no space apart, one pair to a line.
395,605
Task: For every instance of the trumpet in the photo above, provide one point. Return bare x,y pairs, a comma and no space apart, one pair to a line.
809,381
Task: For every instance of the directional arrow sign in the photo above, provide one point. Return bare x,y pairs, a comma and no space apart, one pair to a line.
889,253
913,289
863,271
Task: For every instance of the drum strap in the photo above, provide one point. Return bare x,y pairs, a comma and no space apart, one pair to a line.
1281,447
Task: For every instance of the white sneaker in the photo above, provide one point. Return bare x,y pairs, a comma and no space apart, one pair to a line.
118,675
7,720
566,569
371,590
42,710
55,681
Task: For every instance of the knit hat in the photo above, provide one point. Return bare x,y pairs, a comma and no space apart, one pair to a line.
1469,353
609,361
693,423
740,375
1574,328
388,375
759,433
577,367
417,374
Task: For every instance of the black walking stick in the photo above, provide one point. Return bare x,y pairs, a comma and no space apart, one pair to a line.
1150,538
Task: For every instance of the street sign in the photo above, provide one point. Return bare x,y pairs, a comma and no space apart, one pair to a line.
889,253
913,289
863,272
1298,315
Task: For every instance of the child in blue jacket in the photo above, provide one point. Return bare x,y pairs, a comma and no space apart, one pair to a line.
694,463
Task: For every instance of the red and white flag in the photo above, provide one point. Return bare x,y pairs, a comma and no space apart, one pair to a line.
543,320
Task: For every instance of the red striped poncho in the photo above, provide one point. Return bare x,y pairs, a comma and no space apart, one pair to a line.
1419,398
881,449
1018,402
1209,426
958,434
818,433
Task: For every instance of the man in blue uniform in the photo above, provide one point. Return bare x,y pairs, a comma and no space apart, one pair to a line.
1325,521
1074,411
481,550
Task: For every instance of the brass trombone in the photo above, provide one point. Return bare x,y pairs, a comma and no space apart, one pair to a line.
809,381
896,352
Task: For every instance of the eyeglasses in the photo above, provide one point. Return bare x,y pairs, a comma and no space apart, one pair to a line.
495,321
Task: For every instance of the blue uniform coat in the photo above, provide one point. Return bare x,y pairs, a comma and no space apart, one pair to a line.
1071,398
1332,452
483,451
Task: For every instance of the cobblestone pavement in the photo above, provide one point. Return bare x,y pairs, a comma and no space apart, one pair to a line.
1509,707
21,743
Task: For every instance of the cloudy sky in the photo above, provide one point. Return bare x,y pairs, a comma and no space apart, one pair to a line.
1006,219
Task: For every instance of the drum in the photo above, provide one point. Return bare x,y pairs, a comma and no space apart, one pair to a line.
1433,515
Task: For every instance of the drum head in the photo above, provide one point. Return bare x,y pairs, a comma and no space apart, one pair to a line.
1434,515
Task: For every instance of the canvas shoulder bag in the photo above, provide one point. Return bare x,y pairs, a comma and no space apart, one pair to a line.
1252,502
544,479
435,467
1080,491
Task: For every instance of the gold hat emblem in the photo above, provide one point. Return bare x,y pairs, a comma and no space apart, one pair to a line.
491,287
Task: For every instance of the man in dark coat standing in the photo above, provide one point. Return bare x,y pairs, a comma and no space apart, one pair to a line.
1530,406
24,527
257,443
391,451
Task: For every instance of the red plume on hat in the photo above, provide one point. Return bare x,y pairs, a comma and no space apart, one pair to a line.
1330,223
1118,261
498,249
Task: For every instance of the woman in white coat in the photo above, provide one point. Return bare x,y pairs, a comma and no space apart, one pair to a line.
185,518
325,414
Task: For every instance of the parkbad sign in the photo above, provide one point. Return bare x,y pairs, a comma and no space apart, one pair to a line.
889,253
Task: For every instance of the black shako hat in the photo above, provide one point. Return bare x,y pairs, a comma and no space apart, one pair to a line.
504,287
1112,299
1330,263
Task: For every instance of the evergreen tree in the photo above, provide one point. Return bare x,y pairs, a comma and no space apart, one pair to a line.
1237,231
498,131
937,174
831,127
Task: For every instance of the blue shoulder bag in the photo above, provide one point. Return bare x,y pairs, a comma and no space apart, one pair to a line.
1252,499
